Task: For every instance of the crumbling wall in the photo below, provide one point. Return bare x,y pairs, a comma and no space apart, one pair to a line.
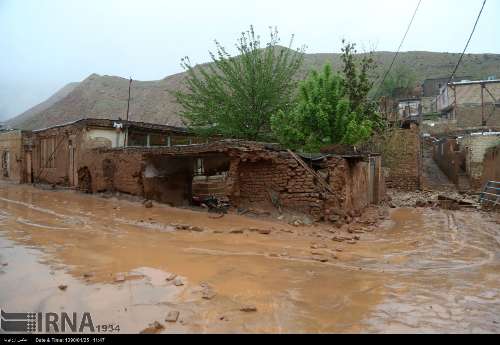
114,171
290,184
256,177
475,147
491,165
11,156
353,187
401,157
168,179
449,158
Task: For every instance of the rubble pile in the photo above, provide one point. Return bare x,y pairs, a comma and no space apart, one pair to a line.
446,200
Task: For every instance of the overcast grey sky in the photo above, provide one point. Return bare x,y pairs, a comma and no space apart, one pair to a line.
47,44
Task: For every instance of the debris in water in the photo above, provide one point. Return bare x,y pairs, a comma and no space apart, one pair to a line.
157,325
318,246
172,316
195,228
171,277
178,282
208,294
153,328
248,308
320,258
120,278
215,215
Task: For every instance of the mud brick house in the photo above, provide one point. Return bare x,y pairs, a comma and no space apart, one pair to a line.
58,151
254,174
15,156
469,160
170,165
471,103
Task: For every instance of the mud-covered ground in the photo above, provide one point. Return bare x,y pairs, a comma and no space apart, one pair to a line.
415,270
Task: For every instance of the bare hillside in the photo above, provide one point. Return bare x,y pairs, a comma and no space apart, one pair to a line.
106,96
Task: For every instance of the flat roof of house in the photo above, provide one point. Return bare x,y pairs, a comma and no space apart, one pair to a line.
474,82
225,145
409,100
110,123
446,78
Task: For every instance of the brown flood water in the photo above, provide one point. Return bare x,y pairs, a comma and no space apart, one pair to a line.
422,270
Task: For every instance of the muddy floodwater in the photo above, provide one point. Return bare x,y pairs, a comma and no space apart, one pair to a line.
420,270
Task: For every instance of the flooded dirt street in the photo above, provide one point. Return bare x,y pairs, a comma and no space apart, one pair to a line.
421,270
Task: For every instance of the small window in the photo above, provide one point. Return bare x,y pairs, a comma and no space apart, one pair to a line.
199,168
158,140
137,139
5,163
198,140
180,141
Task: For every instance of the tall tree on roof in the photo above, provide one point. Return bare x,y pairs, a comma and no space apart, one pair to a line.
236,96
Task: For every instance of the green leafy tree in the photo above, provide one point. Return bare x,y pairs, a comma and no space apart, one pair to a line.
235,96
323,115
357,70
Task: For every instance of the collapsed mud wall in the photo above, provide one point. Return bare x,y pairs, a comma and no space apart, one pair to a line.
254,177
278,182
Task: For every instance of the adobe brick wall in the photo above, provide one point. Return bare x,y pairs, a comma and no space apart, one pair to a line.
11,143
491,165
126,174
449,158
403,160
475,148
284,177
471,115
256,176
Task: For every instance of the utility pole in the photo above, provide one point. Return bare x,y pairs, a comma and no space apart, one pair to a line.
128,102
128,108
